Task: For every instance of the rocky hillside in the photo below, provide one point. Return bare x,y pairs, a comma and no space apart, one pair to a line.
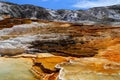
23,11
98,14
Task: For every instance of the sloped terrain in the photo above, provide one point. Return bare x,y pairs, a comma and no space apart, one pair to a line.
16,69
100,15
89,69
46,50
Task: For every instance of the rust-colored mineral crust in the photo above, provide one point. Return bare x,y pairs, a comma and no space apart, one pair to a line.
112,53
49,50
44,67
89,69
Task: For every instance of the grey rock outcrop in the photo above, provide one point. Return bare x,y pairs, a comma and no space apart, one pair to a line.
97,14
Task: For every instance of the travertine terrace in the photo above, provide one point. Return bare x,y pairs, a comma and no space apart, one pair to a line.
47,50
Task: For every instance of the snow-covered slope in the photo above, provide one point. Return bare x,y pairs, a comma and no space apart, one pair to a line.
109,13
